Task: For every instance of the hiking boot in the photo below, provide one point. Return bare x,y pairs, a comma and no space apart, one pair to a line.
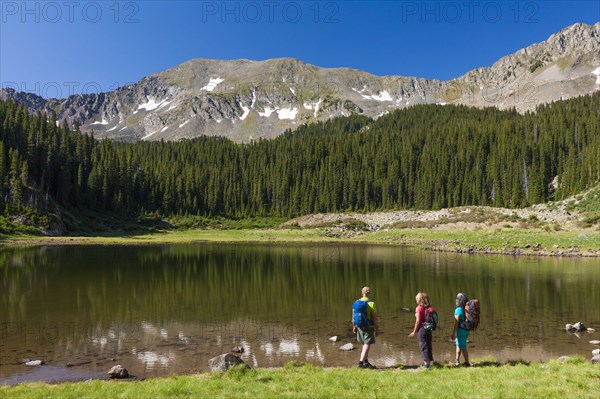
467,364
361,365
368,365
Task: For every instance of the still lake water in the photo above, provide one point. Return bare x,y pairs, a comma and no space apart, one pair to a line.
161,310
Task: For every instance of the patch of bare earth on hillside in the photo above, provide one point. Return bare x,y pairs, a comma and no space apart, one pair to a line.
553,218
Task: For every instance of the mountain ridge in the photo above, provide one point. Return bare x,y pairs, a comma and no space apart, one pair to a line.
246,99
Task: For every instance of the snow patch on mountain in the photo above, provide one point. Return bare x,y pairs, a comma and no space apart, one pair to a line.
145,137
268,112
287,113
104,122
246,112
151,105
381,96
212,84
314,106
597,73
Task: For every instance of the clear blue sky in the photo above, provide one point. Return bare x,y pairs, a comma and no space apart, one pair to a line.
57,47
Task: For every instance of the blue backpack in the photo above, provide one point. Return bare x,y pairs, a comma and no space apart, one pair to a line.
361,313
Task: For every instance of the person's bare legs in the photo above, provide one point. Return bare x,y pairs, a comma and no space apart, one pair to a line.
457,357
364,355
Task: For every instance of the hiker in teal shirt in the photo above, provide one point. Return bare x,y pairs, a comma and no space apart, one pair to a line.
460,335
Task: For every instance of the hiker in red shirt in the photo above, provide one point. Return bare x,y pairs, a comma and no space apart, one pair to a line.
425,322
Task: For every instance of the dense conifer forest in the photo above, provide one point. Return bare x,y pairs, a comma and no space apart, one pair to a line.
423,157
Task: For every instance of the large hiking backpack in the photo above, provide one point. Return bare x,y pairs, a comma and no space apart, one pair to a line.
430,320
361,313
471,315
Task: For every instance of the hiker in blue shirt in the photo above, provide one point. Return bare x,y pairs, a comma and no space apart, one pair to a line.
366,329
459,334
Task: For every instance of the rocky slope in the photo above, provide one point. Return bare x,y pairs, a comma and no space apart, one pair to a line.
246,100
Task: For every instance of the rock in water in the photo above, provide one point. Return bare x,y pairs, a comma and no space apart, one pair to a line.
223,362
568,327
334,338
579,326
347,347
407,309
238,349
34,363
596,352
118,371
590,330
595,342
596,359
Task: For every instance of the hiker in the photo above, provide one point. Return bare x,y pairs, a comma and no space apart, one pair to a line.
366,326
459,334
424,335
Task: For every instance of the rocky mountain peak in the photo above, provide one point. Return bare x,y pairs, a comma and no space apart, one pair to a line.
245,99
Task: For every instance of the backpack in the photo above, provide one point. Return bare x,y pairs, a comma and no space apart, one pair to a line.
361,313
430,321
471,315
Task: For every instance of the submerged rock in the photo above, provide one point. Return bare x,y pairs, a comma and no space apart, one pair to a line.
118,371
223,362
34,363
334,338
347,347
577,327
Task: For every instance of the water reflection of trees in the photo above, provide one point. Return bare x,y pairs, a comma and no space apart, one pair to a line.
286,283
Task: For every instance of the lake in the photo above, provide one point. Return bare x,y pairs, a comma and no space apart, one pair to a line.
161,310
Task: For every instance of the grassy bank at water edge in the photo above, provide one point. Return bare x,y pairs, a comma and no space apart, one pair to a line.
575,377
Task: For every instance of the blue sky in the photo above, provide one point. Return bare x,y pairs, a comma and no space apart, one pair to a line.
56,48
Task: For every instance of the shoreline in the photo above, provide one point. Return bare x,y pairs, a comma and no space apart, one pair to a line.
583,243
573,375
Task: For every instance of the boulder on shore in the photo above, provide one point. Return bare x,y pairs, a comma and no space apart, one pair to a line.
224,362
596,359
118,371
347,347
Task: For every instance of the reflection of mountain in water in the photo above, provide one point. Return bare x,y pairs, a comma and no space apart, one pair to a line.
167,309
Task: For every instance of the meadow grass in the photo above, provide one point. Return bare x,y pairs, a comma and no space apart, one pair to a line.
526,240
574,378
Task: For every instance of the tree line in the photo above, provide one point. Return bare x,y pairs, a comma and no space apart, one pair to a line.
423,157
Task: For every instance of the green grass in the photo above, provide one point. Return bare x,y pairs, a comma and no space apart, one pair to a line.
574,378
493,239
526,240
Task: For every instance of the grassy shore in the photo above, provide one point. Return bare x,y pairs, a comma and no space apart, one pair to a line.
575,377
526,241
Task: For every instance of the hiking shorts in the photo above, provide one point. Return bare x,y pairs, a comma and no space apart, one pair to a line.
366,335
461,338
